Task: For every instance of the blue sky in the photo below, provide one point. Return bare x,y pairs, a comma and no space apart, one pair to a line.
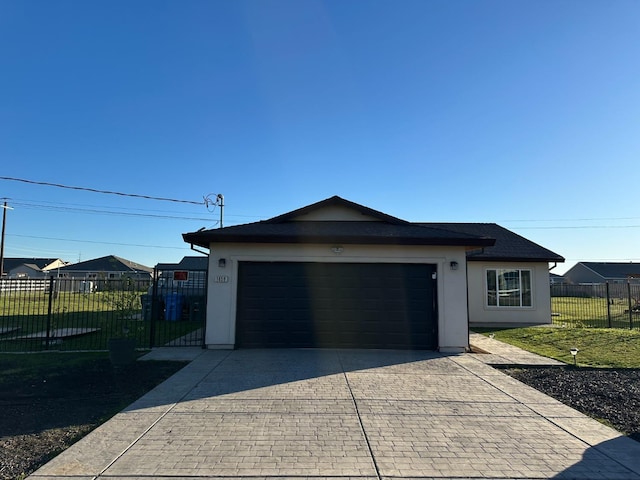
523,113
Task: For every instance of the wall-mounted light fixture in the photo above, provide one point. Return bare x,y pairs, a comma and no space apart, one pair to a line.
222,262
453,265
337,249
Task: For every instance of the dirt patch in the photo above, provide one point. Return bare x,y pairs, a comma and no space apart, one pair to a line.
47,413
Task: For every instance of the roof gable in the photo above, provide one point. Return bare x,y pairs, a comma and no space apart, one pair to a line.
110,263
335,209
41,263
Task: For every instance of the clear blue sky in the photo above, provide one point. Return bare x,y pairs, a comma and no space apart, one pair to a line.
525,113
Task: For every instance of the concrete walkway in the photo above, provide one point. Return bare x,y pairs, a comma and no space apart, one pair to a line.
346,414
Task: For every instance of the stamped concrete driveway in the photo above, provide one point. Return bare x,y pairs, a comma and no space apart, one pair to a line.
341,414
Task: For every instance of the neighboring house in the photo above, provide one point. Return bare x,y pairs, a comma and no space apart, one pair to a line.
556,279
109,267
603,272
31,267
189,275
339,274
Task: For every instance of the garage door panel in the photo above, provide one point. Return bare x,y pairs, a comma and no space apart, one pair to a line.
336,305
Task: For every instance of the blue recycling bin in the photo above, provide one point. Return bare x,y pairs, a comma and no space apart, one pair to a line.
173,303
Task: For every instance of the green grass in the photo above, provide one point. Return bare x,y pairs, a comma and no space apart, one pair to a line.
28,313
598,347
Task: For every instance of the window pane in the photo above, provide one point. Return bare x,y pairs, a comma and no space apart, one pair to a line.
509,288
526,288
492,297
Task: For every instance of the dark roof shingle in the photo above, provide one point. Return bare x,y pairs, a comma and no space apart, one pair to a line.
509,245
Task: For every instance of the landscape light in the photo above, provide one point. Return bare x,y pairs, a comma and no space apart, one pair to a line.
574,353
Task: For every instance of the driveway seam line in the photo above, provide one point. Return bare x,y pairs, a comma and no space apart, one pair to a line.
548,419
362,429
155,422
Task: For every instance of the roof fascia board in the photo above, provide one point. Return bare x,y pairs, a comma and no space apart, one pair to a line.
352,240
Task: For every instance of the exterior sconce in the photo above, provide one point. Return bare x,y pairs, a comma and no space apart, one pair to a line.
453,265
222,262
337,250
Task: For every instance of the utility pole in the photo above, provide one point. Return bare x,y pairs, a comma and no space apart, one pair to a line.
220,202
4,223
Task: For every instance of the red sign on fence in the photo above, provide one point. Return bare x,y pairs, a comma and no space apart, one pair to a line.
180,276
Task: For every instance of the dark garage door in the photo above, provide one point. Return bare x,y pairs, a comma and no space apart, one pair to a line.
344,305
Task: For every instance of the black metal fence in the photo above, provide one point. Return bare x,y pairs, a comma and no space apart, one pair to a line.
71,314
604,305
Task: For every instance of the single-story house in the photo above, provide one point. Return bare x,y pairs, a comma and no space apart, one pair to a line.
339,274
31,268
189,274
109,267
588,273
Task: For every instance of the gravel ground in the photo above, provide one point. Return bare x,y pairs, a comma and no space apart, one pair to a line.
41,419
609,395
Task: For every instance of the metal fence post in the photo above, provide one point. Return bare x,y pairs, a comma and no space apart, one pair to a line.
630,306
608,306
154,309
49,313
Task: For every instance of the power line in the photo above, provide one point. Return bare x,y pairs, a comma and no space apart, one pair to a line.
96,242
205,201
36,206
576,227
593,219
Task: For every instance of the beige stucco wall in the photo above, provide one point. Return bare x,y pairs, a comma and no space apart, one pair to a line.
481,314
222,290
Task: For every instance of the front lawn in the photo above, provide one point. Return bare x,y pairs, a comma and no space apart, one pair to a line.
598,347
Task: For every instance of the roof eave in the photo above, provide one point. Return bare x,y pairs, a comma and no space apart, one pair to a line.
205,241
488,258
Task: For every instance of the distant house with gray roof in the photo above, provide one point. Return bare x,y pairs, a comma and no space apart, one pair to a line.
26,267
603,272
189,275
109,267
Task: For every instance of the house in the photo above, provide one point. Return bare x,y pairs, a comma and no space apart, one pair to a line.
31,267
555,279
109,267
339,274
189,275
603,272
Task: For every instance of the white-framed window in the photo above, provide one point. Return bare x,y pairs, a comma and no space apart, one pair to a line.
508,287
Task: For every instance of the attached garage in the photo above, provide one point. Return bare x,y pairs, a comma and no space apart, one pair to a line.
341,305
336,274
